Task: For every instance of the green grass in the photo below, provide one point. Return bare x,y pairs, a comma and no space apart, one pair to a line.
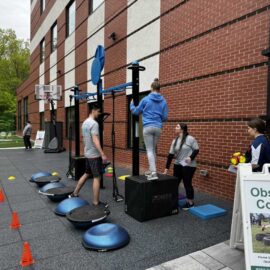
258,246
15,142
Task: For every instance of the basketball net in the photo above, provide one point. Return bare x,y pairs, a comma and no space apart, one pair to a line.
47,98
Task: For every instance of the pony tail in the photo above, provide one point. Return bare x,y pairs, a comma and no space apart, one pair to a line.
185,134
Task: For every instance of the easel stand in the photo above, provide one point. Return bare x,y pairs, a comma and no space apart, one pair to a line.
252,200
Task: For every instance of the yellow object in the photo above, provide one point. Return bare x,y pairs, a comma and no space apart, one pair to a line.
11,178
110,170
123,177
234,160
237,154
242,159
55,173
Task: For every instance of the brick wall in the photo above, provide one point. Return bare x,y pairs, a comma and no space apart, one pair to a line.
211,70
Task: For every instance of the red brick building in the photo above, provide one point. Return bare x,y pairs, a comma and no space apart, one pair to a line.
207,55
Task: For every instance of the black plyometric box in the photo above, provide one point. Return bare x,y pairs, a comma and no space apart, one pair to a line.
145,200
78,167
50,133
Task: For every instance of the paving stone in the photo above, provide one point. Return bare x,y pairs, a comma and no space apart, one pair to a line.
184,263
206,260
224,254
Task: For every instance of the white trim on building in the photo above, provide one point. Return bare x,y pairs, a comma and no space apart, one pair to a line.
145,41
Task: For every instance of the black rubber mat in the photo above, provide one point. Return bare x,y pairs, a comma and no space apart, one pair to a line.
88,213
59,191
48,179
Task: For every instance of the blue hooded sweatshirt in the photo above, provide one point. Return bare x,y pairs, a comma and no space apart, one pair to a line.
154,110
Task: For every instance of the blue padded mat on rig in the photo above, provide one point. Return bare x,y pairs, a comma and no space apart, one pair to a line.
207,211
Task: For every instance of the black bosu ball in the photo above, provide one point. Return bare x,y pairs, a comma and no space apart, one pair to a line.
87,216
59,193
42,181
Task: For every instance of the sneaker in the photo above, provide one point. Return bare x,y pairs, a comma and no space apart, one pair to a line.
187,206
152,176
147,173
102,204
72,195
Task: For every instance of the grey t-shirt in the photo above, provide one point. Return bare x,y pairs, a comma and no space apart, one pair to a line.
188,147
90,128
27,130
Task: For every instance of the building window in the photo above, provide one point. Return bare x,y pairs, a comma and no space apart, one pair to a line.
25,110
94,4
41,121
54,37
70,16
130,129
42,6
42,51
70,127
19,115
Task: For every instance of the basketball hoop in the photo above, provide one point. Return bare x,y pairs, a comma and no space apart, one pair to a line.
48,92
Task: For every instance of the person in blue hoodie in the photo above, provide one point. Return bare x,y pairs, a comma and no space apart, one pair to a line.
154,110
258,153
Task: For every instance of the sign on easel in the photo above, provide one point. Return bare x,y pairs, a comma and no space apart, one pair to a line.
251,216
39,141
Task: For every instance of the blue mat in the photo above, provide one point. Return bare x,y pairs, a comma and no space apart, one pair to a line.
207,211
182,202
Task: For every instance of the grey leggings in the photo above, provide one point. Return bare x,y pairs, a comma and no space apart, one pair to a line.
151,136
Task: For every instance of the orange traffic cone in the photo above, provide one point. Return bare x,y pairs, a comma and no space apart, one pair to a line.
15,223
2,197
27,258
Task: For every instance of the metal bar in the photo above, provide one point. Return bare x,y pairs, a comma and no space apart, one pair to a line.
77,122
135,122
100,122
120,87
84,96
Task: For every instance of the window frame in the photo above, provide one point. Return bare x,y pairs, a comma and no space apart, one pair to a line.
42,51
25,110
67,114
54,45
129,126
19,108
42,6
68,33
91,6
41,121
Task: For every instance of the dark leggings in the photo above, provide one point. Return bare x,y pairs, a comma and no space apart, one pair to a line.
27,142
186,173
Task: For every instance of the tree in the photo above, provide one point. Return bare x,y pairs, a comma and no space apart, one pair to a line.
14,69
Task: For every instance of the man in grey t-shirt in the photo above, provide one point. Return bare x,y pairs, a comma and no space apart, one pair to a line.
94,156
27,131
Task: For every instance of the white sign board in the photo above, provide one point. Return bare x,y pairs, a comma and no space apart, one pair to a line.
255,200
39,139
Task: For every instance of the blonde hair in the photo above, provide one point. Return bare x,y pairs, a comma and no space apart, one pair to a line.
155,85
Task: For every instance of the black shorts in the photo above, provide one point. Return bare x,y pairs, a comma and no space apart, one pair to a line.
93,166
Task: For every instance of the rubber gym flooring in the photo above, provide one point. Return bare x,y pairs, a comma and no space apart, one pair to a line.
56,244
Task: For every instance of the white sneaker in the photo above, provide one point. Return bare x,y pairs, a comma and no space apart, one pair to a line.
153,176
147,173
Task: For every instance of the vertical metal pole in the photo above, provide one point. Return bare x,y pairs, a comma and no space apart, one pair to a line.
135,120
100,122
77,122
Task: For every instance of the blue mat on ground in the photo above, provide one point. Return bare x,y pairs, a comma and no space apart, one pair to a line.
182,202
207,211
